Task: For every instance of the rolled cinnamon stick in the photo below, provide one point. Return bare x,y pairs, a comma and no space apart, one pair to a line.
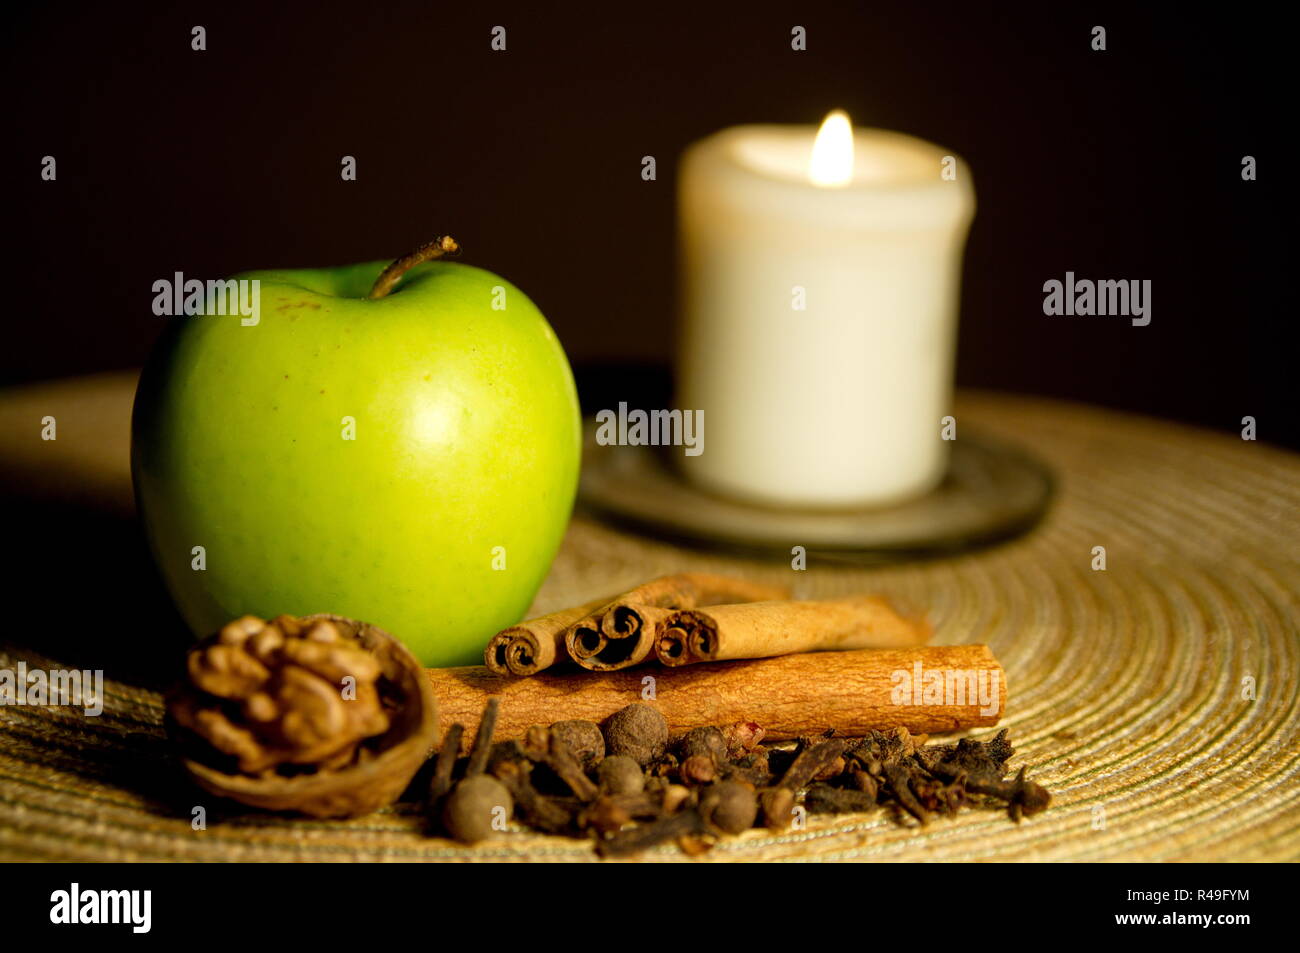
537,644
927,690
621,633
626,637
765,629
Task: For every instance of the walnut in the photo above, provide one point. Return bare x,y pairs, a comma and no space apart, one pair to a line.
320,714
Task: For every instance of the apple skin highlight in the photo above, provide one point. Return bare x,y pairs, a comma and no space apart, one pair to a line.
437,521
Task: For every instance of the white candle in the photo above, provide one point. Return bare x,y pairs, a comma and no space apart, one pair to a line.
819,312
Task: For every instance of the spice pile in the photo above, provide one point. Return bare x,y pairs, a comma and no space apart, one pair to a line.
331,717
624,785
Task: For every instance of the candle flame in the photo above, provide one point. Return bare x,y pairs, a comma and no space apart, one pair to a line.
831,165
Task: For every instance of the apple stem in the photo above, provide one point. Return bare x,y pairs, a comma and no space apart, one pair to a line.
428,252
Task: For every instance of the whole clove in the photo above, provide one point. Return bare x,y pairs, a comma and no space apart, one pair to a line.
560,759
824,798
546,814
698,769
860,780
888,758
611,812
1023,797
686,824
548,747
898,780
703,755
478,755
980,768
833,769
741,737
446,763
813,760
975,756
704,742
753,768
755,777
606,815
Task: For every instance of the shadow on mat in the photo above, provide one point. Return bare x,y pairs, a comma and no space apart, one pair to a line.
83,592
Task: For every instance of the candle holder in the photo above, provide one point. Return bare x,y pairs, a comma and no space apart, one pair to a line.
992,491
820,280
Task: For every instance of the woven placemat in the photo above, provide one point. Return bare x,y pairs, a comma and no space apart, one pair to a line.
1130,688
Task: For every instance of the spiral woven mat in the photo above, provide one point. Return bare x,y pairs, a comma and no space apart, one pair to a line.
1130,689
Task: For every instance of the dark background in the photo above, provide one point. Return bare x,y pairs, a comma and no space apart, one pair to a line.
1115,164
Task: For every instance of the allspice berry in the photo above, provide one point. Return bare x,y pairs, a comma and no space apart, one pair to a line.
730,806
619,774
638,731
476,808
583,739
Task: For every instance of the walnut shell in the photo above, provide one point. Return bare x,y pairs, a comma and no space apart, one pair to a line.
363,786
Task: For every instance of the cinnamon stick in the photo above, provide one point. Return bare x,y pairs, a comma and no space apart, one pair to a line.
623,636
537,644
622,632
927,690
764,629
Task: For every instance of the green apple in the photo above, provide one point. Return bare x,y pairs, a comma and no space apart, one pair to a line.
408,460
